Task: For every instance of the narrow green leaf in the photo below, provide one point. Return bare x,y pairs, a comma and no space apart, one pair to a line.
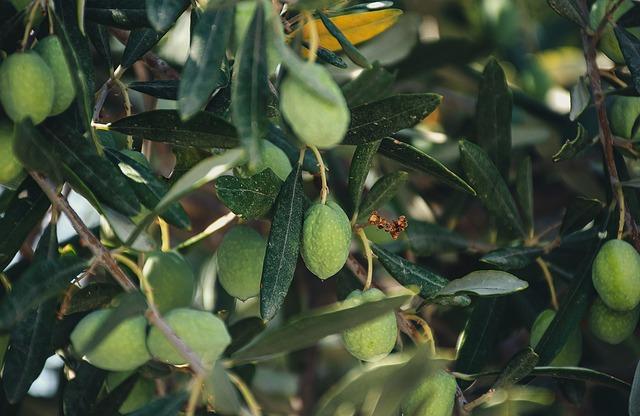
634,398
24,211
34,151
123,14
413,158
29,348
162,14
630,46
43,280
140,42
204,130
580,98
165,406
220,392
78,55
381,192
250,197
325,55
579,213
513,258
250,92
104,180
206,68
569,9
524,193
493,116
573,148
80,393
149,188
347,47
490,187
372,84
159,88
479,335
518,367
484,283
283,246
360,165
244,331
378,119
99,37
309,328
111,402
278,137
427,239
410,274
93,296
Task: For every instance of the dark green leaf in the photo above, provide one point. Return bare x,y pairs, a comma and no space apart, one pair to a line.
634,398
220,392
242,332
99,37
513,258
206,68
166,406
43,280
122,14
410,274
163,13
493,116
426,239
309,328
413,158
630,46
518,367
376,120
93,296
140,42
572,148
580,98
249,197
569,9
283,245
479,336
325,55
491,188
278,137
203,130
34,151
25,210
80,394
149,188
78,55
159,88
372,84
579,213
360,165
250,92
129,305
348,48
381,192
484,283
29,348
524,193
103,179
109,404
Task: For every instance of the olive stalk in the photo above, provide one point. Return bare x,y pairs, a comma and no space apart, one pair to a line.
314,41
324,191
549,279
369,254
251,401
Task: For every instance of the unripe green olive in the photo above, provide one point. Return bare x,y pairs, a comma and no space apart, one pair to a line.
434,396
571,353
326,235
373,340
612,326
272,157
141,393
50,50
26,87
123,349
240,260
616,275
315,120
10,168
202,331
171,279
623,114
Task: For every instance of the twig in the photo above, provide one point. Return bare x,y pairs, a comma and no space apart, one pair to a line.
108,262
369,255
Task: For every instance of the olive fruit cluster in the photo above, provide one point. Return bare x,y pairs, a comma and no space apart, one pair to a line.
37,83
170,280
616,278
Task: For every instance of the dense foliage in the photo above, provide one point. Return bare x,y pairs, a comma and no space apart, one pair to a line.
327,207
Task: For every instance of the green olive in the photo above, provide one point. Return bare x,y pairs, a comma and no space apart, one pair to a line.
570,353
612,326
616,275
171,279
240,260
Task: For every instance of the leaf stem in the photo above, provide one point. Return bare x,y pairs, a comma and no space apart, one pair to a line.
549,279
369,254
214,227
324,191
194,395
29,25
254,407
314,41
165,235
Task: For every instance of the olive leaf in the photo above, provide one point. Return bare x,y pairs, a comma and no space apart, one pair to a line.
250,197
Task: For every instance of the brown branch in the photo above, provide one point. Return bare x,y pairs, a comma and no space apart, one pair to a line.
108,262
